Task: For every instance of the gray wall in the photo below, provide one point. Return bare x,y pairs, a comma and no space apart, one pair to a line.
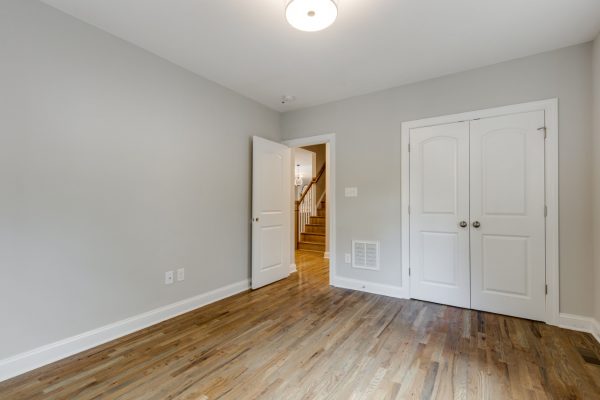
368,155
596,183
115,166
319,150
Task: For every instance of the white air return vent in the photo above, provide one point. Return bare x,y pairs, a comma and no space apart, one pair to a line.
365,254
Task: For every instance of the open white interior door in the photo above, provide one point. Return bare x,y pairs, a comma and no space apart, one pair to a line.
271,210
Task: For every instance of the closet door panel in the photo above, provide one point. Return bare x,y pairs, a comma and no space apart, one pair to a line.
439,187
507,215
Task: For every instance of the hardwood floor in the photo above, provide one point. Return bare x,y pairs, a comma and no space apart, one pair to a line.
301,339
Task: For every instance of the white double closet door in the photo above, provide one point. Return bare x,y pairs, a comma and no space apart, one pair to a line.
477,214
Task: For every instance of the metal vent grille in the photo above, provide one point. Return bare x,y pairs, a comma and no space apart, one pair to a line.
365,254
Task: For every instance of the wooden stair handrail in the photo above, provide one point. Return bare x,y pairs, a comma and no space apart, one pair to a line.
313,182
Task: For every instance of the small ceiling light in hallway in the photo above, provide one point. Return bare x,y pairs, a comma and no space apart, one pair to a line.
311,15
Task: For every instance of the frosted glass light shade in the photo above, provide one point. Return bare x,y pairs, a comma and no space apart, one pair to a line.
311,15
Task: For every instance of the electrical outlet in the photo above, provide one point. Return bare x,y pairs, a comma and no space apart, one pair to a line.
180,274
168,277
348,258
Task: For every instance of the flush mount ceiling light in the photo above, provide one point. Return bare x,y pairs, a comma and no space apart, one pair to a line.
311,15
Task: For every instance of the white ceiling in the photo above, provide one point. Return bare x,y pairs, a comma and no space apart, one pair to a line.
247,46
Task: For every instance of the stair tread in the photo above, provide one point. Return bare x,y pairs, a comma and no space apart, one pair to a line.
313,233
315,224
317,243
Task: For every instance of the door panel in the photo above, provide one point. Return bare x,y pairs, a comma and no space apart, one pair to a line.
441,266
439,157
439,198
505,270
504,182
271,207
507,200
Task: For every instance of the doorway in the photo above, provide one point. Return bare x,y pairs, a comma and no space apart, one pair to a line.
273,208
310,205
313,204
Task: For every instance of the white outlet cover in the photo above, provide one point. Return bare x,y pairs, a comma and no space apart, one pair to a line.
351,192
181,274
348,258
168,277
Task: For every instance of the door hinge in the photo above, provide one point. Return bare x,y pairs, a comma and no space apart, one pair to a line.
408,271
409,147
408,210
546,289
545,211
543,128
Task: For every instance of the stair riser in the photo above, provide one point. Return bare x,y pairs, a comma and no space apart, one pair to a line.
321,212
311,246
314,229
317,220
307,237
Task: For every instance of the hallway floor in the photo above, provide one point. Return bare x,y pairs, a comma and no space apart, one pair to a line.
299,338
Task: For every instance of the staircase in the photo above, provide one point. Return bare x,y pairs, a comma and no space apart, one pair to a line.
312,237
311,211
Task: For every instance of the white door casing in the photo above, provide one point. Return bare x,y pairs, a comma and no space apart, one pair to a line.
507,203
439,202
271,208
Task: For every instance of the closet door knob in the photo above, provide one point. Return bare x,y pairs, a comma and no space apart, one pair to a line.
463,224
476,224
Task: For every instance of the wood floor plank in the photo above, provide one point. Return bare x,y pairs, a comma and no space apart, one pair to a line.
302,339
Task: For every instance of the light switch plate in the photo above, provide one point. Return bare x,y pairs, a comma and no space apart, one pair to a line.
351,192
180,274
348,258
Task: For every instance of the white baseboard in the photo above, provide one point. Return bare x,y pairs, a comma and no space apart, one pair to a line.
293,268
580,323
38,357
370,287
326,254
596,330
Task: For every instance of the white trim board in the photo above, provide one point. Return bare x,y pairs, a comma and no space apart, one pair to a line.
595,329
38,357
309,141
369,287
550,108
579,323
